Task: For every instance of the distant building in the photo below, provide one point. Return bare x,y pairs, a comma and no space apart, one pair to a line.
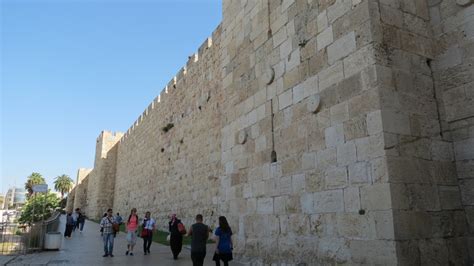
2,201
15,198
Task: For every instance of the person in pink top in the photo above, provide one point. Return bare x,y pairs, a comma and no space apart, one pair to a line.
132,226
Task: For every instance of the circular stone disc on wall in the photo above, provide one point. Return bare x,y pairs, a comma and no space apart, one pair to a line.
269,75
242,137
314,101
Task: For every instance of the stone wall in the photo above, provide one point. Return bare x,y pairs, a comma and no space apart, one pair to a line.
80,199
70,200
453,73
101,180
169,161
325,130
429,221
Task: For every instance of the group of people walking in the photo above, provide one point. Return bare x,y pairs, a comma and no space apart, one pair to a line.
74,220
145,228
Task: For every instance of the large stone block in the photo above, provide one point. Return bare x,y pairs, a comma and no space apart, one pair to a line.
339,113
376,197
334,136
384,224
265,205
324,38
331,75
341,47
464,150
412,225
450,197
351,199
338,9
467,191
354,225
355,128
329,201
358,173
346,153
336,177
376,252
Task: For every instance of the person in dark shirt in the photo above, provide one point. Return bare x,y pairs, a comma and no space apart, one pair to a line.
81,220
176,237
224,245
69,225
199,233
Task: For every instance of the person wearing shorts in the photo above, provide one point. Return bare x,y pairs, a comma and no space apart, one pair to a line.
132,226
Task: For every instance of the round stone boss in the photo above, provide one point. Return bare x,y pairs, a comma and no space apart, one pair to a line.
269,75
242,137
314,101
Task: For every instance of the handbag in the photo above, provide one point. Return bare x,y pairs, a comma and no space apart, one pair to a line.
115,226
181,228
144,233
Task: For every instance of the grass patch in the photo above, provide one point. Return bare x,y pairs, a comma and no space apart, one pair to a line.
9,248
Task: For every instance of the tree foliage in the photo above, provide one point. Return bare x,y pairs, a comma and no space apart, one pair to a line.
39,206
63,184
33,179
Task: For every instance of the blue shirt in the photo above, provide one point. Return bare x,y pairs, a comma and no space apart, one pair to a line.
225,245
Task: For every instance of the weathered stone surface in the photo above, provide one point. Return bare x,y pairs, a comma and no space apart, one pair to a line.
377,172
328,201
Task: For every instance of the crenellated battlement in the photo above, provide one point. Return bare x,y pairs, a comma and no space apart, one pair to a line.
163,96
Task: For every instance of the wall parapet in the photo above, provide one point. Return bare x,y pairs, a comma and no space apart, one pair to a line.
193,59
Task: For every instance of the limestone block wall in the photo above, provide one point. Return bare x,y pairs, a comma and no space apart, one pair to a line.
327,131
101,180
453,71
326,199
70,200
80,199
169,160
429,221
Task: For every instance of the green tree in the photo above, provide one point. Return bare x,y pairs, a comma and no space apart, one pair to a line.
33,179
63,184
42,205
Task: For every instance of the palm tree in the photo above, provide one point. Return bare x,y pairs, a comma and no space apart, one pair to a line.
33,179
63,184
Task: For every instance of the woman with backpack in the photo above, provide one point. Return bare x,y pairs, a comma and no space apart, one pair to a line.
132,225
176,229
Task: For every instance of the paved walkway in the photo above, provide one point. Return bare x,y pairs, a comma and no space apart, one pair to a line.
86,249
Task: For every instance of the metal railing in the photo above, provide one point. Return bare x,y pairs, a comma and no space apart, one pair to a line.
12,238
16,239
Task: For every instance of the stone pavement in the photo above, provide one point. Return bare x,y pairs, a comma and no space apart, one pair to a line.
86,249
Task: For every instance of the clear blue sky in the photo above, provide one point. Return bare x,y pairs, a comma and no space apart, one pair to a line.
70,69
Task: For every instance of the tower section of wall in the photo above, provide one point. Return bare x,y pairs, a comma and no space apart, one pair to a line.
70,199
326,197
428,217
80,198
453,70
101,180
169,160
